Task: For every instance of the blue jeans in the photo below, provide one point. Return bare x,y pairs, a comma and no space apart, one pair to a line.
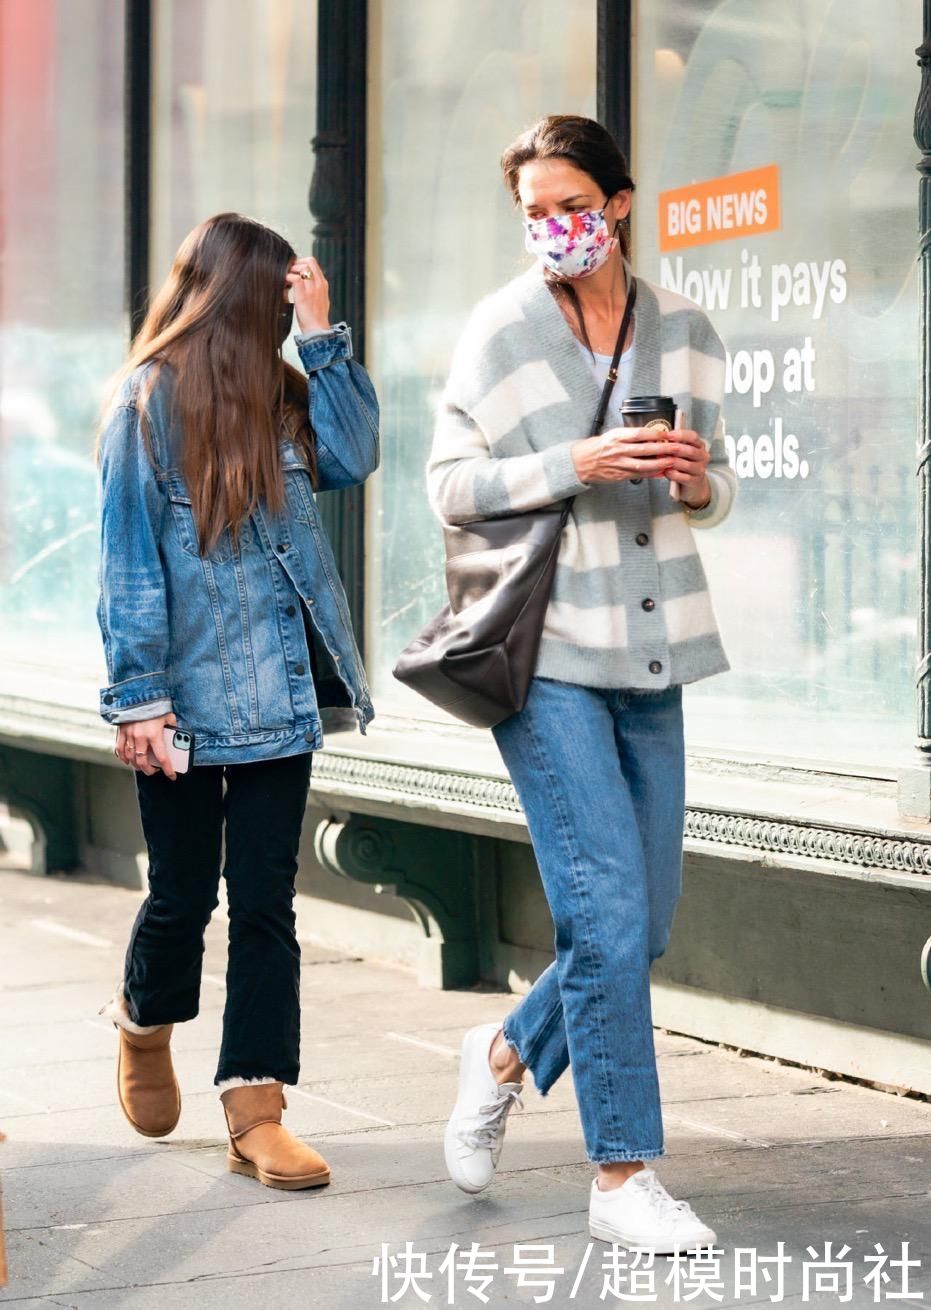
601,777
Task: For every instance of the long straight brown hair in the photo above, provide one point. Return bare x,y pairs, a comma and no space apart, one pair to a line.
593,150
217,323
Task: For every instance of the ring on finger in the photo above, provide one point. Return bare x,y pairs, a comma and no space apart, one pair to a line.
306,274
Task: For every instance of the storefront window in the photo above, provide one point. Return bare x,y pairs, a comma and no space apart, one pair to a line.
452,85
62,327
775,163
234,116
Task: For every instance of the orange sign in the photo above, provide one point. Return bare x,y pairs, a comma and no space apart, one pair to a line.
740,205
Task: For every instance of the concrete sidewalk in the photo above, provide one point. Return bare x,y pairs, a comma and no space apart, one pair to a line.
99,1218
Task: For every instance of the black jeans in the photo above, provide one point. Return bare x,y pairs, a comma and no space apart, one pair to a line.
262,809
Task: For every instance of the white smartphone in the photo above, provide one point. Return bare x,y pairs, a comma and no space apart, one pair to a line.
675,488
180,747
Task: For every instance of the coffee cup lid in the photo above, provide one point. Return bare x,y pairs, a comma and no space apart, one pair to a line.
649,402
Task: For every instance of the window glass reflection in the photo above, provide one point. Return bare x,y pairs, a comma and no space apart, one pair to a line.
453,85
62,327
813,576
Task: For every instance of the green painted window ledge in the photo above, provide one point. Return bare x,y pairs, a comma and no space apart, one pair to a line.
448,776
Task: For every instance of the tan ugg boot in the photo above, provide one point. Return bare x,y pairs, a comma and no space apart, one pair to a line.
260,1145
145,1081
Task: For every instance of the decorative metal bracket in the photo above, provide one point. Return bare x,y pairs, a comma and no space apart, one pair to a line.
41,788
431,870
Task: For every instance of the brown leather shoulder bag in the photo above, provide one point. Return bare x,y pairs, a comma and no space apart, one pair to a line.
475,659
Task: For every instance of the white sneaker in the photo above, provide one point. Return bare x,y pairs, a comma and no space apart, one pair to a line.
475,1132
642,1216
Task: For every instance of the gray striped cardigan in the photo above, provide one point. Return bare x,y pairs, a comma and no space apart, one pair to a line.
630,606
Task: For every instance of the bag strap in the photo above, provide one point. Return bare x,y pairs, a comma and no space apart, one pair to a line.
610,380
615,360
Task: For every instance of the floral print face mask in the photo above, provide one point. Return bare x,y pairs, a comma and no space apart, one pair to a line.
572,245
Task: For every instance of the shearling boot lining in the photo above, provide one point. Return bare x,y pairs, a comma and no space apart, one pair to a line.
227,1083
117,1011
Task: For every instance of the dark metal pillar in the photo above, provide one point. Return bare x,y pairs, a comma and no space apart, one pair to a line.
613,95
915,782
137,166
337,203
614,85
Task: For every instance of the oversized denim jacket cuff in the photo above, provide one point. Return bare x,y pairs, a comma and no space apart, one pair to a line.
147,690
318,349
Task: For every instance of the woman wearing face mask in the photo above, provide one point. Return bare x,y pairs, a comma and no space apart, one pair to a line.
222,612
596,754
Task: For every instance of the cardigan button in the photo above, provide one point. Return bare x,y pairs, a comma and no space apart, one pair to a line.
655,666
643,539
648,604
635,482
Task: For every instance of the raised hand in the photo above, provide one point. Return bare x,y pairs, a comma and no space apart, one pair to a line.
310,293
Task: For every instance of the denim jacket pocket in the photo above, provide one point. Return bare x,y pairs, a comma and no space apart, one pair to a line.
298,489
299,493
182,514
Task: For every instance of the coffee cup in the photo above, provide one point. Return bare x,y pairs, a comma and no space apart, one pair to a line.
658,413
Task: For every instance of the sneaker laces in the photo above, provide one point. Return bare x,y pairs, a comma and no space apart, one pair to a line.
665,1205
491,1117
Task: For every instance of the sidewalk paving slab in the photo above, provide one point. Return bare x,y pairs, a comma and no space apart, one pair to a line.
99,1219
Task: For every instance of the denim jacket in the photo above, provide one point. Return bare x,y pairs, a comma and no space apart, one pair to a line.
249,643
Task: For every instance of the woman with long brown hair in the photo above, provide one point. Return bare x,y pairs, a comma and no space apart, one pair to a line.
227,632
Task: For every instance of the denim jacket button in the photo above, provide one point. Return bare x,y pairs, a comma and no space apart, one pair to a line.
283,546
290,611
299,670
309,738
108,700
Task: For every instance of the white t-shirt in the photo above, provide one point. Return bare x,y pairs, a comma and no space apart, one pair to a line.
599,366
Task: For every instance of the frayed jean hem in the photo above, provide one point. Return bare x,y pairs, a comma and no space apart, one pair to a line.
624,1157
540,1084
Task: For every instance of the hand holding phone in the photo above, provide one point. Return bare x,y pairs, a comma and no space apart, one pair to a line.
139,740
179,745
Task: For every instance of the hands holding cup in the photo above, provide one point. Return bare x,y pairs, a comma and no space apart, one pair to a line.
626,453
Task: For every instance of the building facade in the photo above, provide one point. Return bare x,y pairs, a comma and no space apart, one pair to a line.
775,155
